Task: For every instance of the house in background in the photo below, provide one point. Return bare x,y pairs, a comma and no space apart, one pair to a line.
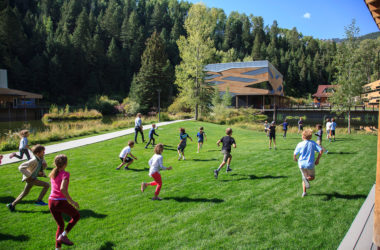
256,84
371,94
324,92
17,104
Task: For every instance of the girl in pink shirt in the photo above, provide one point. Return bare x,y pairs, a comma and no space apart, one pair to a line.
61,202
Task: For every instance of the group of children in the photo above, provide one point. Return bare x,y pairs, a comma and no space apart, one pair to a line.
61,202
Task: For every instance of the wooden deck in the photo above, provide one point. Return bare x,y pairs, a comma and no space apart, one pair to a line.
359,236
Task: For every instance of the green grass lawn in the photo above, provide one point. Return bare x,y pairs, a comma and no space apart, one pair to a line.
257,205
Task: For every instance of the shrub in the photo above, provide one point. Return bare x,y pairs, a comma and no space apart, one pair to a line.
179,105
105,105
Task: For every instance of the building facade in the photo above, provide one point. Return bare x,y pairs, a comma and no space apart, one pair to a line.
371,94
256,84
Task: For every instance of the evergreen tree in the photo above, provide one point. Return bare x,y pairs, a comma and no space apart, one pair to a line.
154,75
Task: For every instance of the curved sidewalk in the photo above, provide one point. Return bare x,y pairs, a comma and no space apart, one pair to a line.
86,141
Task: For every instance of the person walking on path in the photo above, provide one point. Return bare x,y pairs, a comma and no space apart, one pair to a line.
31,170
61,202
155,164
139,127
152,132
23,147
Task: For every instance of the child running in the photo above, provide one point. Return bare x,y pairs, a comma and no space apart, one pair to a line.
272,135
182,144
266,127
333,127
300,125
328,129
285,127
23,147
306,150
61,202
125,159
226,151
156,164
201,136
31,170
319,135
152,132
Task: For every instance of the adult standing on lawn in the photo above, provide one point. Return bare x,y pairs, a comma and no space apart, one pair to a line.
138,127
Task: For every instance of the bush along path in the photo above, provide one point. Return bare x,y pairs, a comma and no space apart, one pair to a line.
50,149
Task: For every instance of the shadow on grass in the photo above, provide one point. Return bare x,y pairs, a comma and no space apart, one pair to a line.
6,199
213,150
32,212
187,199
213,159
86,213
346,139
14,238
9,199
341,196
107,246
138,170
255,177
342,153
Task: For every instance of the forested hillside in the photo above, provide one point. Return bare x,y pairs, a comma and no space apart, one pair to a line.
72,50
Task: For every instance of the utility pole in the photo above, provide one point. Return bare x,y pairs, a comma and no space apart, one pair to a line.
159,110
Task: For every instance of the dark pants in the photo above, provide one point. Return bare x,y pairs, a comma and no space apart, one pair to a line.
56,209
285,130
22,152
137,130
151,140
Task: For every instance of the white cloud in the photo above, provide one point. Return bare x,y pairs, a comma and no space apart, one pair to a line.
307,15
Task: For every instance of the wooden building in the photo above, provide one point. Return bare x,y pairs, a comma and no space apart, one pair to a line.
256,84
324,92
371,94
12,98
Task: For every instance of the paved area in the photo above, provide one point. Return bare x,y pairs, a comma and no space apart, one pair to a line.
50,149
359,236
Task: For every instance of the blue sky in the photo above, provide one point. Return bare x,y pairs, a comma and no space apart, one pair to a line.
321,19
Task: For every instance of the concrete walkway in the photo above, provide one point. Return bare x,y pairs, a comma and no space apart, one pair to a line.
50,149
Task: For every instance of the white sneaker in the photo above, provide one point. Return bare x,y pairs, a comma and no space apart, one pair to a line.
304,194
306,181
179,158
183,158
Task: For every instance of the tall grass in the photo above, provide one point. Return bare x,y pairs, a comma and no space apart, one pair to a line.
57,114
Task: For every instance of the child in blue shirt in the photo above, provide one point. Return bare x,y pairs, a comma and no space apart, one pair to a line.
182,143
151,133
285,127
333,127
23,147
306,150
201,135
